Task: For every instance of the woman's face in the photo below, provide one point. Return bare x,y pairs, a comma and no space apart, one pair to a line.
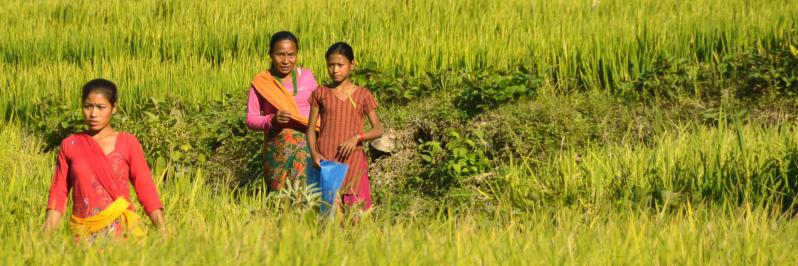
338,66
97,111
284,57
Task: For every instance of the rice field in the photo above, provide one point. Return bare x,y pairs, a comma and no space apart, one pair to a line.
696,194
202,51
218,225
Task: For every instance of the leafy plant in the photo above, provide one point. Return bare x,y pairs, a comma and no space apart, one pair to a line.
399,87
762,70
447,164
666,78
55,121
296,196
487,89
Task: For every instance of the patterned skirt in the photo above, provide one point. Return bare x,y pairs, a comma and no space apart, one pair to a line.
285,157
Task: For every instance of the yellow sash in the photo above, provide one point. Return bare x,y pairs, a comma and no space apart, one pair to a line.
117,210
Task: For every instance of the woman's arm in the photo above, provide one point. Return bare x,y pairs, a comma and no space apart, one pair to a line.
310,132
271,118
296,125
256,120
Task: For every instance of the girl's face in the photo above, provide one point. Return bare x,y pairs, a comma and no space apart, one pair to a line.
284,57
97,111
338,66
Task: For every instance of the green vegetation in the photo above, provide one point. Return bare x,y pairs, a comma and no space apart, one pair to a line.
200,51
524,217
527,132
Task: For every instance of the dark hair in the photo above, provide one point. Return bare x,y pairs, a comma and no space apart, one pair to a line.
341,48
103,86
282,36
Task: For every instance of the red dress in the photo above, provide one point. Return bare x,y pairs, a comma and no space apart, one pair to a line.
342,119
88,196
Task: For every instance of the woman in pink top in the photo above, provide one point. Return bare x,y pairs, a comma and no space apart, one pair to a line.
285,149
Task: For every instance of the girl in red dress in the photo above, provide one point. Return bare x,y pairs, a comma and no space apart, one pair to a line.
342,107
98,165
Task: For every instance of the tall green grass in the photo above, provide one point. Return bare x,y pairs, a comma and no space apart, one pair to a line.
201,50
693,195
725,167
211,224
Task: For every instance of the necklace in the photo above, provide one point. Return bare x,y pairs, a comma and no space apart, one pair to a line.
348,92
293,80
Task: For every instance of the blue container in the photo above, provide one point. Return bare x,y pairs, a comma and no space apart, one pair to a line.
328,179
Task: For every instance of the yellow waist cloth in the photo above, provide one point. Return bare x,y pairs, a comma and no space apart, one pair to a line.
117,210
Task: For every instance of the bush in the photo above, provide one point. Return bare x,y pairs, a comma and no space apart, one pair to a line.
448,164
182,134
758,72
398,87
666,78
487,89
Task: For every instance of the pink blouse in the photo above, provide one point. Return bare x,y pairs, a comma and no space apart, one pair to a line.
260,111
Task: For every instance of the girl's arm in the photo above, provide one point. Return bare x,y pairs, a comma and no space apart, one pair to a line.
376,127
141,178
157,219
59,190
51,220
376,131
311,134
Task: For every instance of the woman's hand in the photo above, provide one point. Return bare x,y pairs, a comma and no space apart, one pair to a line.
281,118
348,147
296,125
317,157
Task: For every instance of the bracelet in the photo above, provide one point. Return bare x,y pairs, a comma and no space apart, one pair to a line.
359,137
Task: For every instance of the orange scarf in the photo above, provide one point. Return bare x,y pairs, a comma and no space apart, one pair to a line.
278,96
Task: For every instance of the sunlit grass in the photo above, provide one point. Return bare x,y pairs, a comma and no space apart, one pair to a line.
199,50
210,224
694,195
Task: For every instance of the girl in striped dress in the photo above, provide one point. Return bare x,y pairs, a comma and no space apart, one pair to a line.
342,107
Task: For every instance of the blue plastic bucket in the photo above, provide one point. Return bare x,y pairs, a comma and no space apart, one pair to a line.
328,179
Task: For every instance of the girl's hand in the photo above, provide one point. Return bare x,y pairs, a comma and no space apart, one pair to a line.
51,220
157,219
348,147
317,157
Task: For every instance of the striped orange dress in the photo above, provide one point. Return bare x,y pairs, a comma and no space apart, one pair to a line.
342,119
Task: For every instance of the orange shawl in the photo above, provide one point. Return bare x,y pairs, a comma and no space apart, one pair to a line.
278,96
